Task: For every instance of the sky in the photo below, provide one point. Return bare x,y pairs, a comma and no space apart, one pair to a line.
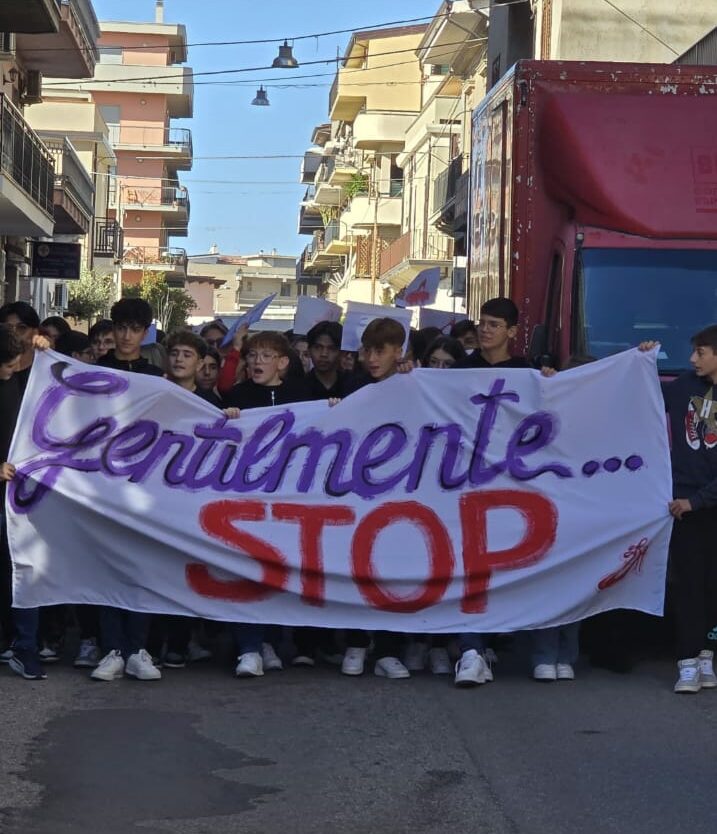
244,206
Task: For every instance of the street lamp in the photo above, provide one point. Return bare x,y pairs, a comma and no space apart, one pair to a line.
285,59
260,100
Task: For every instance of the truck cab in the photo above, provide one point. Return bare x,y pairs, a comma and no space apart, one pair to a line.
594,207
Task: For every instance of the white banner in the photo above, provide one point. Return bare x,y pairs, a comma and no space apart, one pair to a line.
437,501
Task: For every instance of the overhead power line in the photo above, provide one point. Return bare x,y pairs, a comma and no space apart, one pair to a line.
641,26
192,74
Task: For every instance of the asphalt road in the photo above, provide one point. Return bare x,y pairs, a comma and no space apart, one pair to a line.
312,752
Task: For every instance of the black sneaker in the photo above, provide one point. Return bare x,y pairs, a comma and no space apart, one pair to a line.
174,660
26,664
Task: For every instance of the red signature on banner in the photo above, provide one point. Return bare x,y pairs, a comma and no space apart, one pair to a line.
633,557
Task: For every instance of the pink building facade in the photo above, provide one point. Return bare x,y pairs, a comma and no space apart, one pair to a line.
141,87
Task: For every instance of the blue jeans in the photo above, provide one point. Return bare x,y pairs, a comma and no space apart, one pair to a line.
555,645
248,637
123,631
466,642
25,621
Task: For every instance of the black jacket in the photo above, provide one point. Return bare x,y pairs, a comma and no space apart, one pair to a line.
691,404
477,360
318,391
137,366
250,394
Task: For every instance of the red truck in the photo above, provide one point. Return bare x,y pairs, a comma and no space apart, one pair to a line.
594,206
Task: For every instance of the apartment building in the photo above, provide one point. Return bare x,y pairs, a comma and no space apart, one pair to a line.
140,86
353,204
241,282
44,190
72,127
640,31
452,58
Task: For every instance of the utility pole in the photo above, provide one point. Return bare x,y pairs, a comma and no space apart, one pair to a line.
374,236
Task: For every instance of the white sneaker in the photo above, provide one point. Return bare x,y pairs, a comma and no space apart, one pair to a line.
6,656
689,679
250,665
353,661
415,659
303,660
390,667
197,652
470,669
270,659
110,668
140,666
88,655
565,672
439,661
708,679
545,672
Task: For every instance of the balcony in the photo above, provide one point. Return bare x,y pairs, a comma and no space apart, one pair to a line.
362,211
34,16
337,238
170,199
347,165
108,239
318,259
72,51
303,277
381,129
176,83
173,143
309,216
74,194
344,104
325,193
26,177
310,165
414,251
444,187
170,260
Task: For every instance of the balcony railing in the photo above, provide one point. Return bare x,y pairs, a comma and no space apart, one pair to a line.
177,138
417,245
444,185
70,174
332,232
143,256
169,195
24,158
108,242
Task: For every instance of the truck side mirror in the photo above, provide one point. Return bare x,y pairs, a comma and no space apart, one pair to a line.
538,354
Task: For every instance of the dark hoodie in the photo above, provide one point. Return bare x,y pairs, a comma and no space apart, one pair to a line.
137,366
691,403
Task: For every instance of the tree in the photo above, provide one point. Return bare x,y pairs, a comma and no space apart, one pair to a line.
91,297
171,305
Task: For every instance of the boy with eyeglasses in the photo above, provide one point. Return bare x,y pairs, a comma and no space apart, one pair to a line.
267,356
23,321
497,327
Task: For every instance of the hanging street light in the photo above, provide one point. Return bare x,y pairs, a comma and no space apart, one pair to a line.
285,59
260,99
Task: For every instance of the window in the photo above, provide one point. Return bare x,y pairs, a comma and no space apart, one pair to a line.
110,54
285,291
248,285
625,296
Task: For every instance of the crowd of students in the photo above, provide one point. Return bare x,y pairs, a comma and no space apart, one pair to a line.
269,368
